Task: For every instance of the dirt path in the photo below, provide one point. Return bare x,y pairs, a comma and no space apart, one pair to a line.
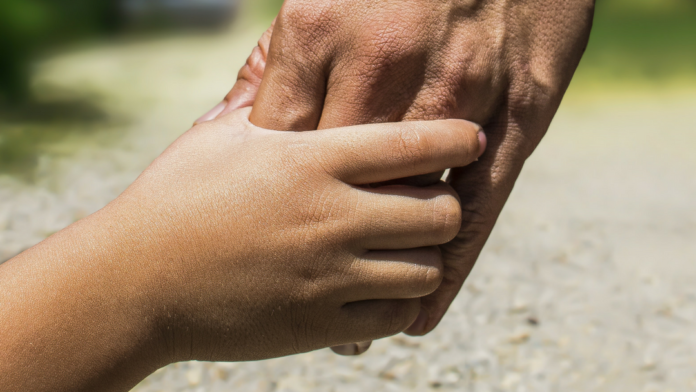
587,283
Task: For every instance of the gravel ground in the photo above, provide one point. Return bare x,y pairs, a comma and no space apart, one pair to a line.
585,284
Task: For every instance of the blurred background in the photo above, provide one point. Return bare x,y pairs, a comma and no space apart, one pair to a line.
587,282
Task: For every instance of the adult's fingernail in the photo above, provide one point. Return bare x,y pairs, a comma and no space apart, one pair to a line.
352,349
214,112
418,326
483,141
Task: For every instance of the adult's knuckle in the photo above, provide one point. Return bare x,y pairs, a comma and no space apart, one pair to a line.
383,44
477,209
307,21
475,224
388,58
474,231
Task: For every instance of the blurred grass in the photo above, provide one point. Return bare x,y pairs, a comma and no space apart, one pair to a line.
28,27
640,44
37,126
262,11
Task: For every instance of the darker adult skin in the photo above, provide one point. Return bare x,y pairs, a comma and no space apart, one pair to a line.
501,63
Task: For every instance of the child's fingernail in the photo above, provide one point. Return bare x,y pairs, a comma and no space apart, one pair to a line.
482,141
418,326
214,112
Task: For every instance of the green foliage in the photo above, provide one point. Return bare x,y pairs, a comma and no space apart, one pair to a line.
34,128
271,6
265,10
28,26
641,41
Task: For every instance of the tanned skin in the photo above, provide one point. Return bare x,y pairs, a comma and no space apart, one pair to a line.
238,243
501,63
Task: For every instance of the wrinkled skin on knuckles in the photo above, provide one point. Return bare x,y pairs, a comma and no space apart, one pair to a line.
502,63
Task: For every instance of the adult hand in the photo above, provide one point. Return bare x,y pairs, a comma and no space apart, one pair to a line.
237,243
504,64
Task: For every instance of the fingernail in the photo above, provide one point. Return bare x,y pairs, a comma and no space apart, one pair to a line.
214,112
352,349
345,349
418,326
483,141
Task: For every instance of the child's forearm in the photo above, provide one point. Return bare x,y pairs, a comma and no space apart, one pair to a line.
237,243
74,314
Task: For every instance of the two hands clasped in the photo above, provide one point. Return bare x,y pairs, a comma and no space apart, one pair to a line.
242,243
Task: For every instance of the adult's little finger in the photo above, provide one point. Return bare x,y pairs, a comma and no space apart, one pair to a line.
243,93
